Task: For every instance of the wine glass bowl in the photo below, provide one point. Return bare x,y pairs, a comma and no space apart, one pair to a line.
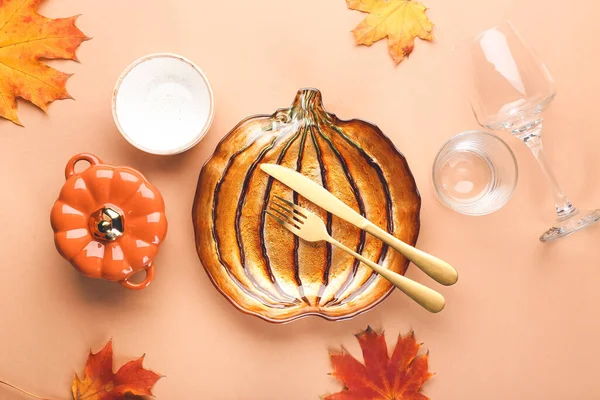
509,87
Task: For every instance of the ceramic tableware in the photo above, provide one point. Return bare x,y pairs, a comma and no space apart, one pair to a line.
163,104
439,270
258,265
311,228
109,222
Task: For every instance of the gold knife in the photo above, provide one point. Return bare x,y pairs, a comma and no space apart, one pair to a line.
437,269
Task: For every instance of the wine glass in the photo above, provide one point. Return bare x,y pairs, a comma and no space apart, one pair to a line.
509,88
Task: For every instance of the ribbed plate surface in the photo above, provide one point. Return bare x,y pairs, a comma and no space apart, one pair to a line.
262,268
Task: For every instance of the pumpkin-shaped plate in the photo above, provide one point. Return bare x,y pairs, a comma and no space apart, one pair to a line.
265,270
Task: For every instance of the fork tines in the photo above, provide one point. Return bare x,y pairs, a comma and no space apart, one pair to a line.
286,213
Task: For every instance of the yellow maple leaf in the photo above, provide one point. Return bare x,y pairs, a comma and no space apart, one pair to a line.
400,20
25,38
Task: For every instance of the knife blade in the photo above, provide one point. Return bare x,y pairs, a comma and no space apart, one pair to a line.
315,193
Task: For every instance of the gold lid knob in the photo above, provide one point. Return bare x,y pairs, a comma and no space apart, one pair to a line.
107,224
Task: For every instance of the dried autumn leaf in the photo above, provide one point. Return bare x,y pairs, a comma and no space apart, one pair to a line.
100,383
25,38
381,377
400,20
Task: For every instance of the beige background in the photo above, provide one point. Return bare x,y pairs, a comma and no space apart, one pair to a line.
521,324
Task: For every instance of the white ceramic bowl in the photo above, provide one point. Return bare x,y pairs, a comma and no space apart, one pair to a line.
163,104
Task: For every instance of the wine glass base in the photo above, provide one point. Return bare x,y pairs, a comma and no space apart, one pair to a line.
570,224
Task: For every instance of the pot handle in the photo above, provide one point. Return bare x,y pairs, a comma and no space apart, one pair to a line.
70,168
143,285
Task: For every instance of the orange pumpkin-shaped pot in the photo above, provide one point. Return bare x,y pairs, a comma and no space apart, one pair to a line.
109,222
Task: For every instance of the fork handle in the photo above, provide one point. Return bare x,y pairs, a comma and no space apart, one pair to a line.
437,269
428,298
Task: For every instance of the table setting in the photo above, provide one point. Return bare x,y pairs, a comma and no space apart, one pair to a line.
263,210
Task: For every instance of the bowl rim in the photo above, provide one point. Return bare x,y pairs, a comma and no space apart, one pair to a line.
199,136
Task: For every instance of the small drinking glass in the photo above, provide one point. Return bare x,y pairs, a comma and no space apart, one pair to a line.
475,173
509,87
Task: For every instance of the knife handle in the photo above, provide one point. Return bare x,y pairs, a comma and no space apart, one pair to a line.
426,297
437,269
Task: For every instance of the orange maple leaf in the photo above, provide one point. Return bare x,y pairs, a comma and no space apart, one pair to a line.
25,38
400,20
381,377
100,383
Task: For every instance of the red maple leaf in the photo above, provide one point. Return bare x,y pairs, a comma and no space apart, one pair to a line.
100,383
382,377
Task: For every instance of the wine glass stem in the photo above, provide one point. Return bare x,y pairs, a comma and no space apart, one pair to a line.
533,140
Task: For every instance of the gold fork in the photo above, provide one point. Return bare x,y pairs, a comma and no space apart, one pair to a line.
311,228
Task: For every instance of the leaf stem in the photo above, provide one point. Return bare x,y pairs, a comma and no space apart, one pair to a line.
22,391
